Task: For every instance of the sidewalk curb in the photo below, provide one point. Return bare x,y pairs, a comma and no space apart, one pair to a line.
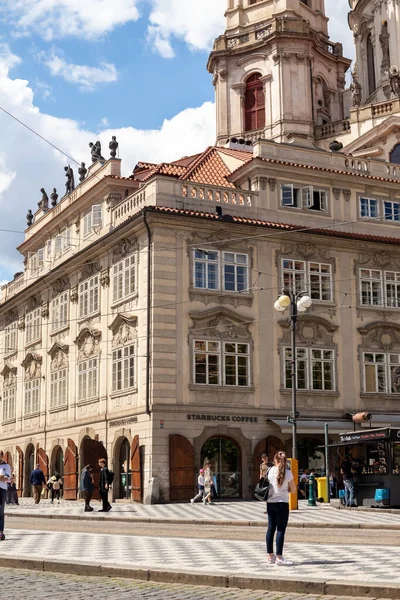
268,583
215,522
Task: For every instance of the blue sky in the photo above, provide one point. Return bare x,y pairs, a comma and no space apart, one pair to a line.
81,70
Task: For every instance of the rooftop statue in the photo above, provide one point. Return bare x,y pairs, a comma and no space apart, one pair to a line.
54,197
82,171
113,145
29,218
95,150
43,204
394,76
70,183
355,90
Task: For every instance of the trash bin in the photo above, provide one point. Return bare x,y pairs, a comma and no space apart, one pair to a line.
322,495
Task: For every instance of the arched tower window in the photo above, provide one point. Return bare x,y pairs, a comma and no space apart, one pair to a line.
254,104
395,155
371,66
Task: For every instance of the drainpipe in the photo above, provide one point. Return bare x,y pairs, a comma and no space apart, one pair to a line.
149,274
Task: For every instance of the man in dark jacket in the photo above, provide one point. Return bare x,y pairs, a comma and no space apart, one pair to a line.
87,486
104,486
37,482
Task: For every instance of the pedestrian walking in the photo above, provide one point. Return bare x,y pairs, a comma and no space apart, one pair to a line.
264,468
87,486
346,471
200,486
5,474
104,485
55,486
37,481
208,483
280,485
12,492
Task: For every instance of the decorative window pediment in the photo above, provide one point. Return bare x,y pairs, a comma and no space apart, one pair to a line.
220,323
60,285
380,335
123,329
304,251
380,260
311,331
124,248
8,371
59,356
90,268
32,364
88,342
228,241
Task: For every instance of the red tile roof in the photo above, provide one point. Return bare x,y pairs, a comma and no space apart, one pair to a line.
324,231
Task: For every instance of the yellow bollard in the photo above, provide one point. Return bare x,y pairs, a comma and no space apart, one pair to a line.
293,465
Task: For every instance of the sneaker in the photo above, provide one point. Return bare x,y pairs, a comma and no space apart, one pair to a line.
271,559
283,562
192,501
2,536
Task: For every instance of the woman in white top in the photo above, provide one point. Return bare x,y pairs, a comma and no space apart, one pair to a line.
280,485
5,474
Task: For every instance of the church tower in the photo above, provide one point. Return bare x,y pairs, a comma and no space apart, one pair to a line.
275,71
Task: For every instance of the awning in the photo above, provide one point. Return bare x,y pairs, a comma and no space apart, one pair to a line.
316,427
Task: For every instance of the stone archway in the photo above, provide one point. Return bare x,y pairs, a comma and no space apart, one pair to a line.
57,461
244,444
90,452
226,462
28,468
122,485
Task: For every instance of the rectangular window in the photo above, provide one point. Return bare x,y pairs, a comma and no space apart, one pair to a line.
381,373
89,296
236,364
369,208
379,288
33,325
10,338
235,272
391,211
87,379
293,275
9,403
32,396
311,277
315,369
206,267
320,281
59,311
304,197
92,219
58,388
207,362
124,278
123,369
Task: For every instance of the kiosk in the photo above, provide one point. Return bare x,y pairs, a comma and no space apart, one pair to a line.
375,459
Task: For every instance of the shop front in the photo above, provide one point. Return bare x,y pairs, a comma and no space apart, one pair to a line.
375,462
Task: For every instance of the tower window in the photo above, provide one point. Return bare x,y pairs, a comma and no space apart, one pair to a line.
371,66
254,117
395,155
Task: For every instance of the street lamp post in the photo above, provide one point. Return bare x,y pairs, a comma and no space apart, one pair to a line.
298,303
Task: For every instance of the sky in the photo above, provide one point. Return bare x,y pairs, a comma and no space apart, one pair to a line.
80,70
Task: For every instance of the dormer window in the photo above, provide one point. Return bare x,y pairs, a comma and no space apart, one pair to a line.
304,197
254,111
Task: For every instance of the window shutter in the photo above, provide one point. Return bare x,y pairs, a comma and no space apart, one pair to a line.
254,105
40,258
96,215
323,200
49,249
32,260
287,197
57,245
307,196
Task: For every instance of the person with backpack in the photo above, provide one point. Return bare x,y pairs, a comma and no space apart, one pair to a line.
86,486
106,479
55,486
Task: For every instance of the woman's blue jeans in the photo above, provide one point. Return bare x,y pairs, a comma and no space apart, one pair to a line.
278,517
348,492
3,494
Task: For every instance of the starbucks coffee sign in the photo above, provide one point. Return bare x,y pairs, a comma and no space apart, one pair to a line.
223,418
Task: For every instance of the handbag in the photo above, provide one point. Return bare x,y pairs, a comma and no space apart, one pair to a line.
261,490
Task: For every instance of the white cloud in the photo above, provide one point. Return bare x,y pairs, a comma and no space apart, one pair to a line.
32,164
83,75
66,18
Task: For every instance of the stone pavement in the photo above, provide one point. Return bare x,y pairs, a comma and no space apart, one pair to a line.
38,586
313,562
228,512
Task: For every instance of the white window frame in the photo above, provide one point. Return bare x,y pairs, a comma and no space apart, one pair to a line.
124,368
393,208
59,311
59,388
389,364
88,379
125,278
369,202
33,325
299,197
207,348
237,356
215,264
89,296
93,218
11,338
9,400
32,397
303,279
379,283
212,348
306,355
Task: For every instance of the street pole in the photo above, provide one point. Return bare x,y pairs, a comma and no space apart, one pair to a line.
293,323
328,487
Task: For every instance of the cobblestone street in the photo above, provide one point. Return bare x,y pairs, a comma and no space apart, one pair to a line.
38,586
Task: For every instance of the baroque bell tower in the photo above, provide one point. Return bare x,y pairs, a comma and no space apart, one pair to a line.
275,71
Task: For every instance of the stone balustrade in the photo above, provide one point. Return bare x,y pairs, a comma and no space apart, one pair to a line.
128,207
218,195
332,129
10,289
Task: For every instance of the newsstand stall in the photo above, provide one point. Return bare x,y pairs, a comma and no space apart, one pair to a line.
375,460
